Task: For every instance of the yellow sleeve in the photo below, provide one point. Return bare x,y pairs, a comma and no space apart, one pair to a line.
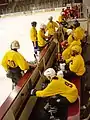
4,64
74,65
60,19
48,91
66,53
70,39
47,26
69,60
56,25
75,43
21,62
43,35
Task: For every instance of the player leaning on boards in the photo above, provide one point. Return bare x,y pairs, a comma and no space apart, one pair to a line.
51,27
42,38
58,86
14,63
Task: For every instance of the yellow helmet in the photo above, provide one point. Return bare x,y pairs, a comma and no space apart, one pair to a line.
15,45
76,48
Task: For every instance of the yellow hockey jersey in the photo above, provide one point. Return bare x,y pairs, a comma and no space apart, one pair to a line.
14,59
77,65
62,87
41,38
51,27
78,33
60,19
33,34
66,54
70,39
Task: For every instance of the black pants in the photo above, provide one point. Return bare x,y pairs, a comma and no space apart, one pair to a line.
62,106
69,75
14,74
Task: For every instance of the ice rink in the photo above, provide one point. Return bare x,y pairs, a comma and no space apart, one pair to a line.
18,28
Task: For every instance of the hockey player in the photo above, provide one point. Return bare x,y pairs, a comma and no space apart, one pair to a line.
65,92
14,63
33,36
70,37
60,18
78,33
51,27
42,37
76,64
66,54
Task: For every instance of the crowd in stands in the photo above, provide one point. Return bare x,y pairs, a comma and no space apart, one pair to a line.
73,12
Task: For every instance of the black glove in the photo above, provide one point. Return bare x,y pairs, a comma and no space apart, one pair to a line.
33,92
9,74
47,81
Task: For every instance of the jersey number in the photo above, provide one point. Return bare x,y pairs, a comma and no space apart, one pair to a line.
11,63
68,84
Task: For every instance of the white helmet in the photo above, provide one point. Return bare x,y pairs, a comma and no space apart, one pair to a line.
42,26
15,45
60,73
69,31
62,66
50,73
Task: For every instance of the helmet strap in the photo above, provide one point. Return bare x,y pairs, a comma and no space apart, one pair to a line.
14,49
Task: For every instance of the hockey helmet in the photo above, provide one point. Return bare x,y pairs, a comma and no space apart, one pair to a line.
34,23
15,45
69,31
42,26
50,73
